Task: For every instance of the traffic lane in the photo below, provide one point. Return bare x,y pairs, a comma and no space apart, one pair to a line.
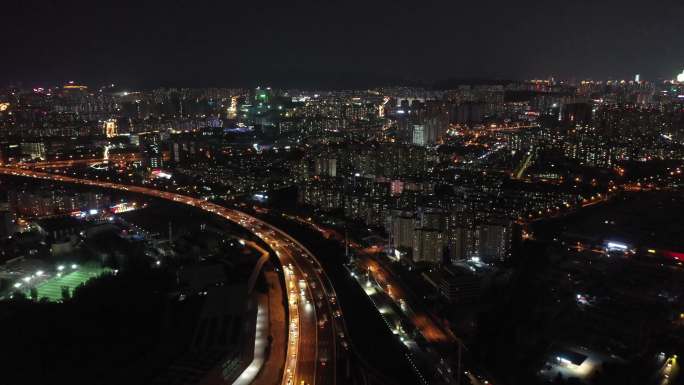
290,369
669,371
307,355
329,317
319,310
327,355
307,350
297,352
327,310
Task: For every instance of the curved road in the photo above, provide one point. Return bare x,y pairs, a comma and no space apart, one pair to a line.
316,324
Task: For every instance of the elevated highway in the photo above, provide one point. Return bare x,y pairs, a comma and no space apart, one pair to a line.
315,326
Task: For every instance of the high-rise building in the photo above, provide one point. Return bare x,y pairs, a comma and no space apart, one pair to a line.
36,150
459,243
431,219
396,187
428,246
435,117
152,156
419,135
470,113
111,128
402,231
325,167
493,240
135,139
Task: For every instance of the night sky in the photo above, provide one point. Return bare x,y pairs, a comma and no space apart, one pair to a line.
348,44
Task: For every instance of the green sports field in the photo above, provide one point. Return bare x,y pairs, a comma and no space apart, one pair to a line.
52,288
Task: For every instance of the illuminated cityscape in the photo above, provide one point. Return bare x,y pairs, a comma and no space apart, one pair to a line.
368,194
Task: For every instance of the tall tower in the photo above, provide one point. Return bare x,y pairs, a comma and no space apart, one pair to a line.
111,129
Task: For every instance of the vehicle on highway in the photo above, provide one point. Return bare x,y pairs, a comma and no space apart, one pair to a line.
323,356
323,320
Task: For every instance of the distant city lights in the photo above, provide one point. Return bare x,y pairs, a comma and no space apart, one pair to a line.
616,246
161,174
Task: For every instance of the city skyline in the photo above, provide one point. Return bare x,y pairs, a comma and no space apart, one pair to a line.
354,193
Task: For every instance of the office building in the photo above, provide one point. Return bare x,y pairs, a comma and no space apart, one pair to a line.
152,156
419,135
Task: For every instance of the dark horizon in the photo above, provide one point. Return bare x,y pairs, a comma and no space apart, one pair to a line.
312,45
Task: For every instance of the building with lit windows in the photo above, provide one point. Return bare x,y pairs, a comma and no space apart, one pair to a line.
152,156
428,246
493,240
401,232
419,135
111,128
